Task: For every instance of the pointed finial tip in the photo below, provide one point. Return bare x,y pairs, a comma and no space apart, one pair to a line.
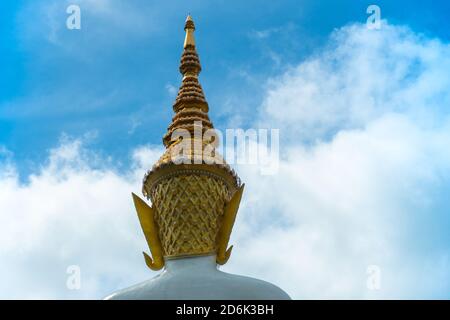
189,23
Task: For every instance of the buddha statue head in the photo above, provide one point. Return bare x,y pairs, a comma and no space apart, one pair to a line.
194,193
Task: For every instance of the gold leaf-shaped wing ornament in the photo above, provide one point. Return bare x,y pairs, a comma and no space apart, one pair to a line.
231,209
146,218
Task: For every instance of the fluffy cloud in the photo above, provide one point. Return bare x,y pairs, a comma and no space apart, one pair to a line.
76,210
376,196
361,75
365,170
363,180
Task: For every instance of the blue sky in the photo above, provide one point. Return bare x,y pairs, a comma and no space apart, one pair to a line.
111,78
364,120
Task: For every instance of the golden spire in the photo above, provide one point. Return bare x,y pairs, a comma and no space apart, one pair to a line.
194,203
190,104
189,27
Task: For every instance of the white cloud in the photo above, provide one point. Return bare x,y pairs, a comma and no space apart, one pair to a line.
365,172
363,180
360,76
369,197
75,211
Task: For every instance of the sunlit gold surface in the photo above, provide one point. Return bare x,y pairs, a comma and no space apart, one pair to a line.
190,212
189,28
230,212
147,220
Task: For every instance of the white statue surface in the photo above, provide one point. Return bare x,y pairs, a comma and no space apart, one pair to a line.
198,278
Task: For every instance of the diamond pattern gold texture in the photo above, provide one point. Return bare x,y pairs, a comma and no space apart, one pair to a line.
189,209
